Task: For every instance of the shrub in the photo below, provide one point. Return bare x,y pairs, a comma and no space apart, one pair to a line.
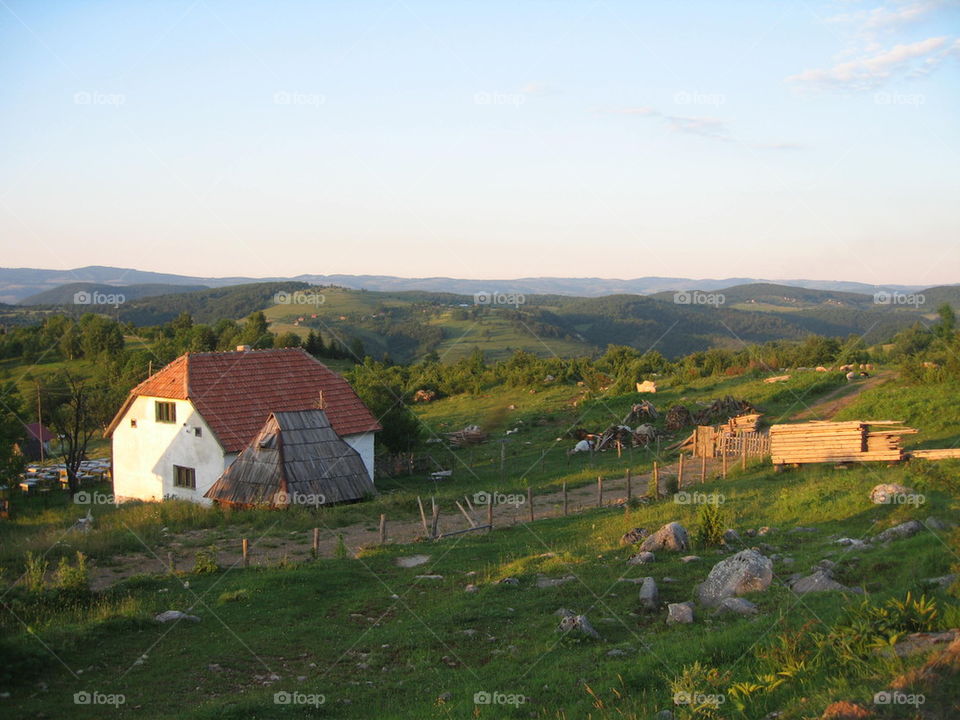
73,577
340,552
233,596
710,525
205,561
34,572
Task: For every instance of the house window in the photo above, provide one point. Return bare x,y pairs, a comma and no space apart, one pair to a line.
133,422
184,477
198,432
166,412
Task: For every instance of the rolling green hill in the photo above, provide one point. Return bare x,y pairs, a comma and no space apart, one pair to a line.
68,294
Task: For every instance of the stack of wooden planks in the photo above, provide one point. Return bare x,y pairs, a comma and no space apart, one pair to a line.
742,423
937,454
853,441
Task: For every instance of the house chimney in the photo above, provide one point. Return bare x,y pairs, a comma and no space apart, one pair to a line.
243,348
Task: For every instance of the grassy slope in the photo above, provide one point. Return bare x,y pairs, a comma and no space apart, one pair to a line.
337,624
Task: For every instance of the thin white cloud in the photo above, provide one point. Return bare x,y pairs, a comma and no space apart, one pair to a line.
869,72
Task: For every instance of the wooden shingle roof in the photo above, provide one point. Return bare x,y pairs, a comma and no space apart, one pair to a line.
235,392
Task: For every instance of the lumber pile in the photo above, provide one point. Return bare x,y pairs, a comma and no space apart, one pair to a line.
742,423
721,410
470,435
853,441
937,454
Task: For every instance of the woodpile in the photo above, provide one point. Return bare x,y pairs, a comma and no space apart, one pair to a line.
641,411
678,417
853,441
938,454
721,410
742,423
424,396
470,435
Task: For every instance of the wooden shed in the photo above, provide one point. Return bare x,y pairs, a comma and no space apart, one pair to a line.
296,459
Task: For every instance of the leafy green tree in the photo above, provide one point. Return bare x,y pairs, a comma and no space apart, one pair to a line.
12,433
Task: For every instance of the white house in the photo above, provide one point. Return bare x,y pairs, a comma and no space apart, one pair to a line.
183,426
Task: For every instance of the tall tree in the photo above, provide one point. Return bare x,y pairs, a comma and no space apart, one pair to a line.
12,434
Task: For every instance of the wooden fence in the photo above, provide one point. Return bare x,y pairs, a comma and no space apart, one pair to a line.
751,444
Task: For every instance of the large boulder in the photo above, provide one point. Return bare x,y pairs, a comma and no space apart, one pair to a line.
672,536
884,493
641,558
820,580
578,624
747,571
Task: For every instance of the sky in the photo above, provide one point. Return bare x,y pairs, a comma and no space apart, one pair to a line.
777,140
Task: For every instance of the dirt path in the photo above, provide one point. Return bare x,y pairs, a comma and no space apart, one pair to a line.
180,548
832,403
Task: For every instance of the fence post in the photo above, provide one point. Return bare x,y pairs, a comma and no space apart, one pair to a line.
435,520
564,499
423,516
171,564
629,487
315,548
383,529
680,474
723,458
245,549
490,512
599,490
703,469
743,453
530,501
656,481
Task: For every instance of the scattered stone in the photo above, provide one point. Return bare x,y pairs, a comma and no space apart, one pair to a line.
633,536
766,530
471,588
564,613
800,530
821,580
738,606
579,624
445,697
850,542
668,579
412,561
672,536
641,558
898,532
943,581
649,595
509,581
917,643
616,652
636,581
429,577
689,558
747,571
751,533
175,615
732,537
936,524
545,582
884,493
681,613
826,564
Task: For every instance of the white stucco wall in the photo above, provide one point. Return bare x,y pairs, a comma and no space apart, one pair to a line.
144,456
363,444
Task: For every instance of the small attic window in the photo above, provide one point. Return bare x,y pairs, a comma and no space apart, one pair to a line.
166,412
133,422
198,432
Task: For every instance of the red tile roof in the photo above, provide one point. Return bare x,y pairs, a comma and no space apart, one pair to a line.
235,392
36,430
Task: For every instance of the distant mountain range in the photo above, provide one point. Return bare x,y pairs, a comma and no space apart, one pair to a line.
28,286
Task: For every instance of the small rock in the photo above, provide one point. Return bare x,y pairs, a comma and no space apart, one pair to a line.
471,588
580,624
564,613
174,615
672,536
732,537
445,697
641,558
633,536
429,577
850,542
801,530
689,558
943,580
649,595
545,582
738,606
747,571
615,652
820,580
509,581
680,613
898,532
936,524
766,531
917,643
412,561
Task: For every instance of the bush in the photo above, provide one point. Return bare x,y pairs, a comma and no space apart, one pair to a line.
710,525
73,578
34,572
205,561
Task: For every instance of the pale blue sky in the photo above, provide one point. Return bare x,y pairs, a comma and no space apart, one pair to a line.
491,140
